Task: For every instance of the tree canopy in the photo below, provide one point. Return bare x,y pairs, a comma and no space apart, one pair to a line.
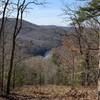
91,11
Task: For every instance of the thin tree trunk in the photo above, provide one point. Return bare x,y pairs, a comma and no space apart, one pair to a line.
73,75
99,71
10,68
2,65
14,75
12,55
2,44
3,18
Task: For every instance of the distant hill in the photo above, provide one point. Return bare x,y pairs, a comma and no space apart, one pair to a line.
37,39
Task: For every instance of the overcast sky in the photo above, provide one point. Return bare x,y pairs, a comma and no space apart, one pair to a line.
51,14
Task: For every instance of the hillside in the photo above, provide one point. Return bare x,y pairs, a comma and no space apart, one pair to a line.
35,39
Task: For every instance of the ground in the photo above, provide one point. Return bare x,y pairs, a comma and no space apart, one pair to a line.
52,92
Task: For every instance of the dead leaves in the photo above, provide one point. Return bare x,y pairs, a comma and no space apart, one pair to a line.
53,92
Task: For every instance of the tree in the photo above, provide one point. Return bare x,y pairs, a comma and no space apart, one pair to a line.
82,21
5,5
92,11
21,6
3,16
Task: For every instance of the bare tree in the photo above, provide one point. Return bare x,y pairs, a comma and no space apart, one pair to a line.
3,16
82,37
2,40
18,25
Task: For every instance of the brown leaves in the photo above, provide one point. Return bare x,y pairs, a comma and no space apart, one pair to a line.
53,92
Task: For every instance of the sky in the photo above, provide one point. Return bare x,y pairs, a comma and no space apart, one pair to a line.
50,14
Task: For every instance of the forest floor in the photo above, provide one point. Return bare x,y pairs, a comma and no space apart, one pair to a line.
52,92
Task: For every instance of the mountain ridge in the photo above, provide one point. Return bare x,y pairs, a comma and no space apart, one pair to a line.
37,39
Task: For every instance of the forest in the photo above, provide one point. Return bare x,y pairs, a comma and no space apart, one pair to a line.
49,62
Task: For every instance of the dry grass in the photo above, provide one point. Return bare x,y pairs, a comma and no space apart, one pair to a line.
53,92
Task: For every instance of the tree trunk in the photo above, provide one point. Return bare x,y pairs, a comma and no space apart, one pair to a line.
87,68
14,75
15,33
2,65
10,68
2,26
3,17
73,70
99,72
